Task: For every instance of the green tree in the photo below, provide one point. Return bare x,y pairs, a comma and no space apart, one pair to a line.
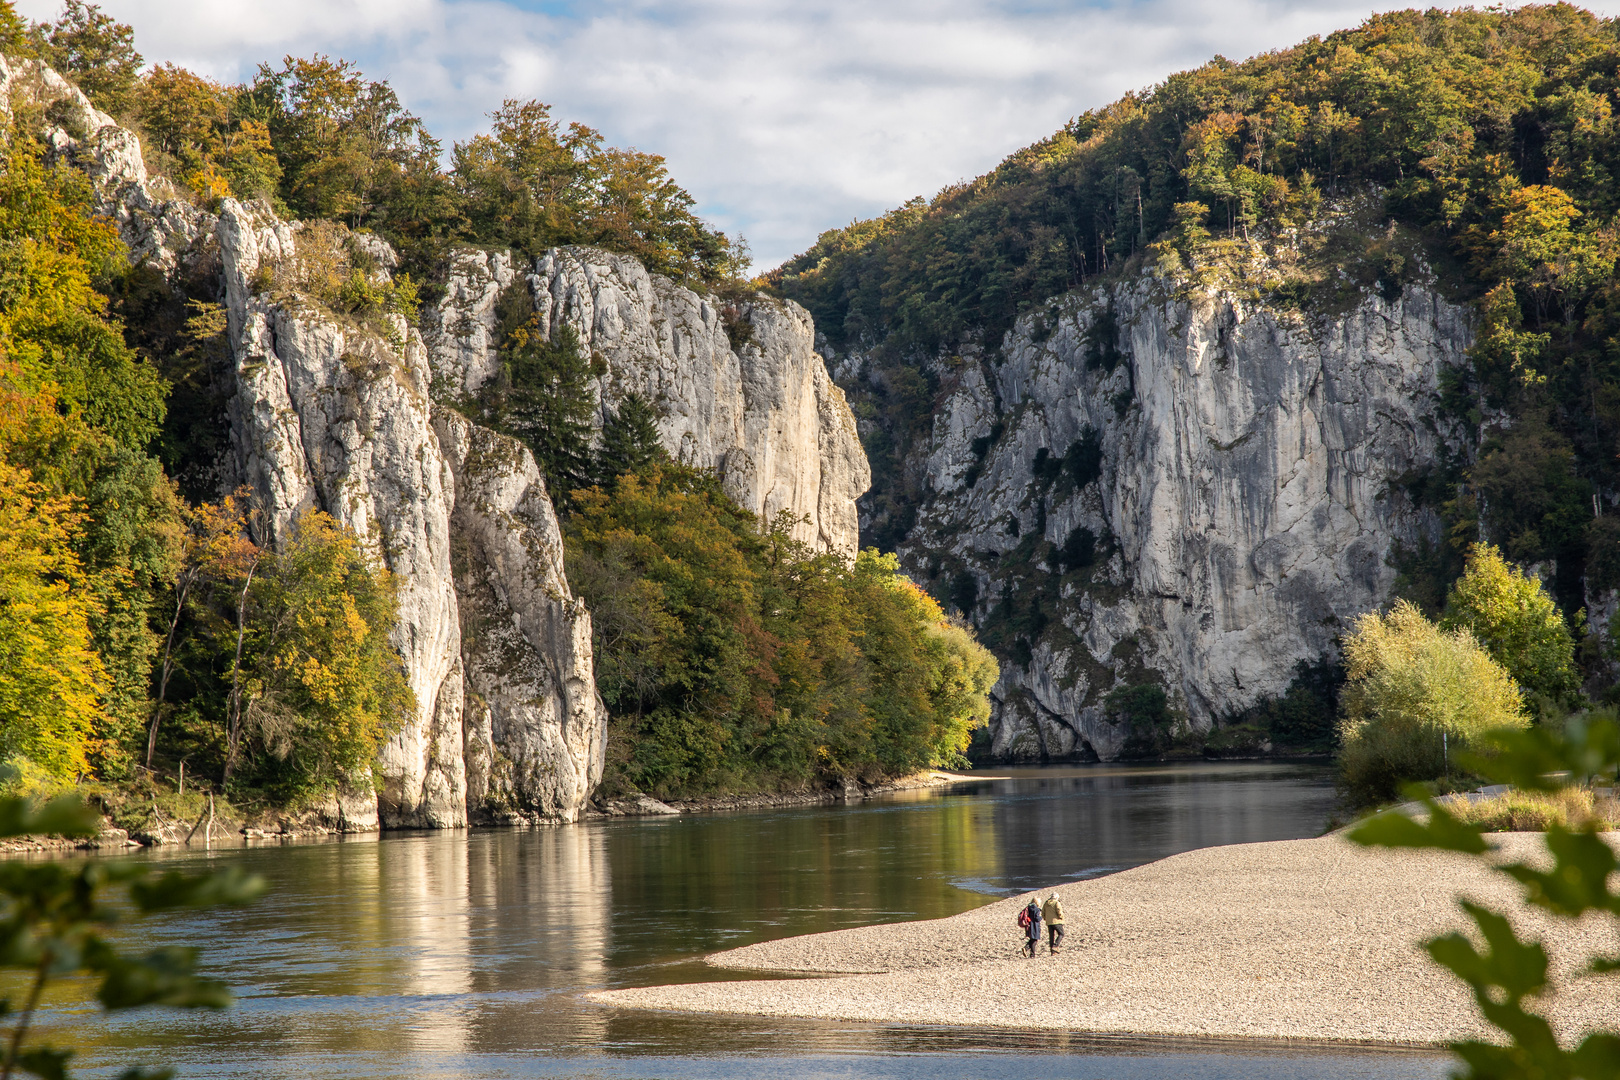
1415,694
545,396
1511,615
731,655
204,136
531,183
630,441
96,51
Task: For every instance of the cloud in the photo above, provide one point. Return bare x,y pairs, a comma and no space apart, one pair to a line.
782,118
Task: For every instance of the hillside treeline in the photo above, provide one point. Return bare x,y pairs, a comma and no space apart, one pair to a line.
1482,144
144,633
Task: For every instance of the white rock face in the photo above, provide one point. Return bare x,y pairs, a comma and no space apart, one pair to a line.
1247,502
161,229
535,725
331,417
765,415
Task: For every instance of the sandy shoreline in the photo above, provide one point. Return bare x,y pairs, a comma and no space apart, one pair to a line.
1302,939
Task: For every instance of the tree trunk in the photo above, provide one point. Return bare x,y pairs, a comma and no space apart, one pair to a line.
234,733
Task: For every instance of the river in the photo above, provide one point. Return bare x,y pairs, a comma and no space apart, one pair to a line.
464,954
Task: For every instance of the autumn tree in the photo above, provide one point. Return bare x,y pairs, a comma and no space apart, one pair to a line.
533,183
1415,694
205,135
323,686
1511,615
95,50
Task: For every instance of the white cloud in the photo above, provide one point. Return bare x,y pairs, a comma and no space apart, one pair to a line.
782,118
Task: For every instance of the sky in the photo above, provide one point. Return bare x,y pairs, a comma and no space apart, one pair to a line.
782,119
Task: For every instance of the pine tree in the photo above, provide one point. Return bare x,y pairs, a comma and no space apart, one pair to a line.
544,397
630,440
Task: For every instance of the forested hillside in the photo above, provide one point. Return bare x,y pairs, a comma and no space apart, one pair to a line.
1479,146
153,626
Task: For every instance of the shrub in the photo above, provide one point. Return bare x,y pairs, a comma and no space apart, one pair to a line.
1413,693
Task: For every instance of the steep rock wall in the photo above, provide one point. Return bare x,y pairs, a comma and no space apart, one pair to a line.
1244,506
765,415
331,414
534,732
331,417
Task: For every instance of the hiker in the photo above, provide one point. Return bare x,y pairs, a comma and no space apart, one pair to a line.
1052,912
1030,919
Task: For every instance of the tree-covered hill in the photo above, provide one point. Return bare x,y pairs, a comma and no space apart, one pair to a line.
1482,144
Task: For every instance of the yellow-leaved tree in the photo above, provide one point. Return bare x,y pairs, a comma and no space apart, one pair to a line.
1512,616
51,679
1414,696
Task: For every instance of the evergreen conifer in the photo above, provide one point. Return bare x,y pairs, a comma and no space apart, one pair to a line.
630,440
544,397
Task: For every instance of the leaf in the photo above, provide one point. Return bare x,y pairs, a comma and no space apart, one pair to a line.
46,1062
1442,831
64,816
165,892
161,977
1518,968
1598,1057
1578,880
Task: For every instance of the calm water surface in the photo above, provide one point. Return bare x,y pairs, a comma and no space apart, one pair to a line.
465,954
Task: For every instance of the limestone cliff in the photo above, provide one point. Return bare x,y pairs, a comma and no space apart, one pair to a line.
751,400
336,411
333,412
1218,479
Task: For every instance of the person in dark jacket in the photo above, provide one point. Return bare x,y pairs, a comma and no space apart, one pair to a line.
1030,920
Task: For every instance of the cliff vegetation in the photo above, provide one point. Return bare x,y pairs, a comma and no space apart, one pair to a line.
147,642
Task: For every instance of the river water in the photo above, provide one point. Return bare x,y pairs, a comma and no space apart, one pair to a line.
464,954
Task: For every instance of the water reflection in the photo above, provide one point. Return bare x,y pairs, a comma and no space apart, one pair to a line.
464,954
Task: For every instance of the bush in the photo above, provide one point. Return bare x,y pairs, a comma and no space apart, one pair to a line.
1415,696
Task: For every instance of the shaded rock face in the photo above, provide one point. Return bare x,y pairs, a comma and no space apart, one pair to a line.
1220,482
764,414
534,732
333,415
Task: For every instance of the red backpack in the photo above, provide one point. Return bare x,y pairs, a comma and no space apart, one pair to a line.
1023,918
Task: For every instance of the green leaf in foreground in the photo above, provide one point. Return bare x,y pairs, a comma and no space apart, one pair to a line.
54,918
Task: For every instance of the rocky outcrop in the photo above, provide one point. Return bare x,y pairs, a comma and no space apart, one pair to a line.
739,386
331,416
1219,482
533,720
334,413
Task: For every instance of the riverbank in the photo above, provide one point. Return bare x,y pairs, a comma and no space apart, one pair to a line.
853,791
1302,939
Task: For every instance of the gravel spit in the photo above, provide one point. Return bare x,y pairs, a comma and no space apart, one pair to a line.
1299,939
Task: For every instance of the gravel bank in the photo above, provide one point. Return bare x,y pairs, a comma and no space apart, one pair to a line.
1300,939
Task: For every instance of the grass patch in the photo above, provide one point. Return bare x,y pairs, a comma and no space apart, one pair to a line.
1535,811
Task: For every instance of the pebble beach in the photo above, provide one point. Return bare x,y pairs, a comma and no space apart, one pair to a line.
1315,940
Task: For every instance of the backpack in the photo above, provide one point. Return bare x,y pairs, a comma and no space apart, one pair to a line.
1023,918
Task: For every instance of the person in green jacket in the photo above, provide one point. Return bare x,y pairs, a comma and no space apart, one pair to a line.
1052,915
